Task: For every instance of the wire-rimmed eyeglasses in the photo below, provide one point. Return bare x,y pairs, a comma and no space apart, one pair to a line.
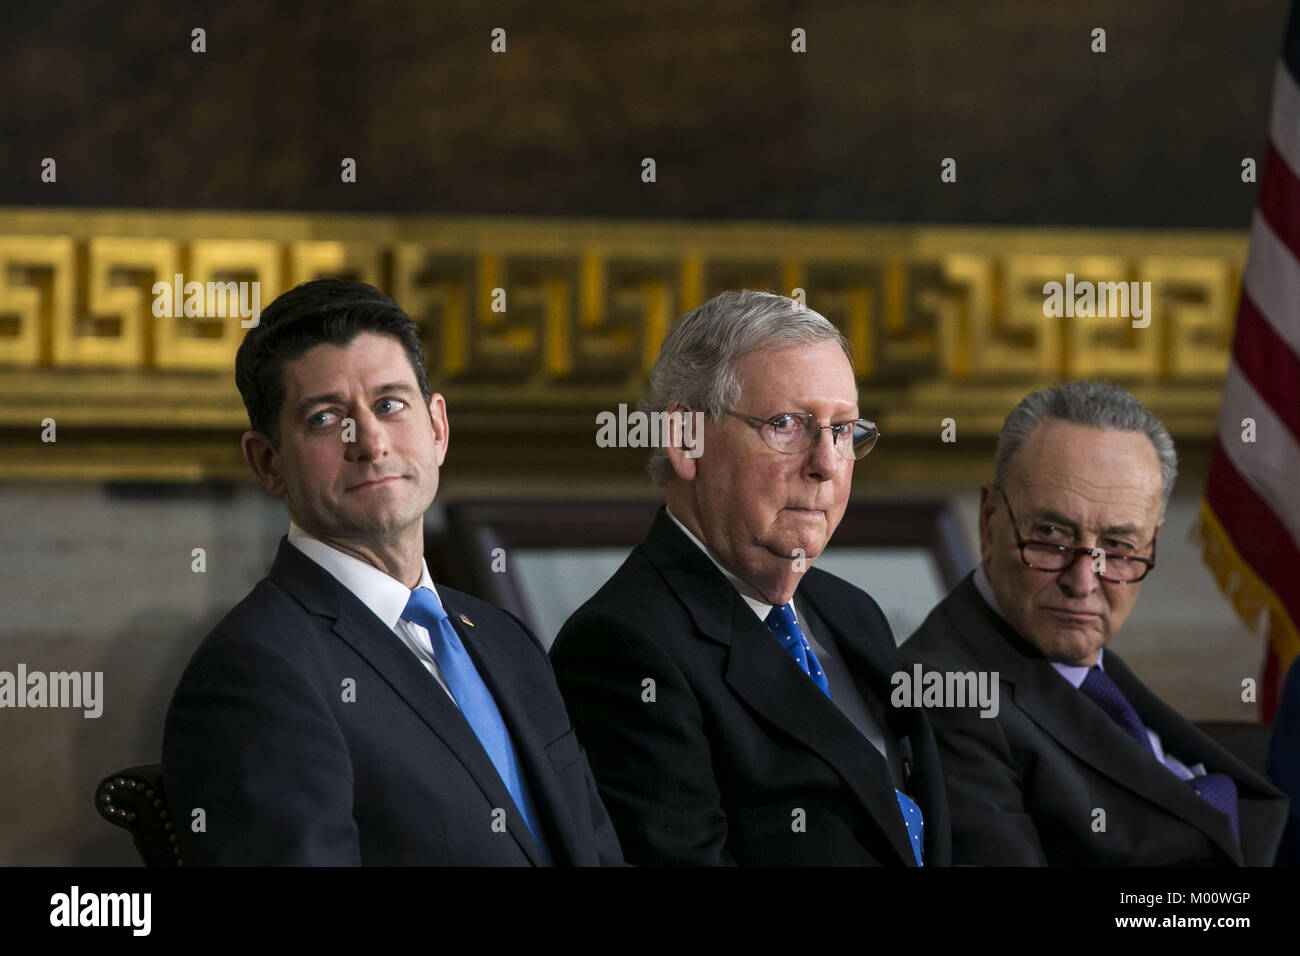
793,433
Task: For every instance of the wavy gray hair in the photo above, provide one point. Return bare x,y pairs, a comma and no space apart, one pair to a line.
696,366
1096,404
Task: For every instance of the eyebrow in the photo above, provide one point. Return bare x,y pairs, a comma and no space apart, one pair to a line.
808,411
335,398
1057,518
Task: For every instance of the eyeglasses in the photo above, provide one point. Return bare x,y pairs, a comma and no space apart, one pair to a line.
793,433
1116,567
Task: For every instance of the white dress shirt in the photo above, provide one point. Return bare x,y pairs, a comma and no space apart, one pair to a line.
383,594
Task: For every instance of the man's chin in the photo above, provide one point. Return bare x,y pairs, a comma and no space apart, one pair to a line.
380,525
796,548
1072,648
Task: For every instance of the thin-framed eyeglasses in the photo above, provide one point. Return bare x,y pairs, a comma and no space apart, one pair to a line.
793,433
1115,566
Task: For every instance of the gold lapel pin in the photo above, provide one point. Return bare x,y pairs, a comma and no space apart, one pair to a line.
466,620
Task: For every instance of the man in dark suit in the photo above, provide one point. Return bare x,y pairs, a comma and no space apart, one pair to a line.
1079,763
349,711
731,696
1284,763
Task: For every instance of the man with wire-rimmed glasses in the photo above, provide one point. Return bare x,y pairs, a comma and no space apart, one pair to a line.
733,699
1081,763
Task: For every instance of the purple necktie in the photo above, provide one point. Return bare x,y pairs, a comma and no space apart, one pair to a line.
1218,789
1102,690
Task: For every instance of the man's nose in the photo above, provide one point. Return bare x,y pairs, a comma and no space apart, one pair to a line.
1079,579
824,461
368,437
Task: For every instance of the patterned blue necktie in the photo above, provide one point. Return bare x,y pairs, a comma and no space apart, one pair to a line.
781,621
915,823
475,702
1218,789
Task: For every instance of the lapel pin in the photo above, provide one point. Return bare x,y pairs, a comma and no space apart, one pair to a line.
466,620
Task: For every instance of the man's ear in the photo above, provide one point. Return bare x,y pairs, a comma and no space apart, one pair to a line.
684,442
441,427
988,504
264,460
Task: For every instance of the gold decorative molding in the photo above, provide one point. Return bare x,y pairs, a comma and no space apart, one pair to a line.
945,322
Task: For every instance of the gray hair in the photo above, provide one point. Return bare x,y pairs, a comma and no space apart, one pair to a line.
1096,404
696,367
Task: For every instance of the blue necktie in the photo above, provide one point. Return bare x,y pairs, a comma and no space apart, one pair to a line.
915,823
1218,789
475,702
782,622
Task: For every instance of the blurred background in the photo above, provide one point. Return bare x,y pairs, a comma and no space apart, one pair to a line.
795,146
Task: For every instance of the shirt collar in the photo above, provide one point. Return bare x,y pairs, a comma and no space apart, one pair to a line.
383,594
756,603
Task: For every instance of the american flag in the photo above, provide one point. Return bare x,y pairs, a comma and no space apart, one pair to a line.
1250,517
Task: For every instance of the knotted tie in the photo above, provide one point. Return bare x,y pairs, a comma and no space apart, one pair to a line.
474,700
782,622
1218,789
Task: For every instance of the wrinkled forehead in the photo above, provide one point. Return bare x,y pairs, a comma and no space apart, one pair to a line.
1094,477
798,377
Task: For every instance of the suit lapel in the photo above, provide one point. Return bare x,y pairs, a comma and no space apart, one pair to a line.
869,666
762,674
1066,715
374,642
516,699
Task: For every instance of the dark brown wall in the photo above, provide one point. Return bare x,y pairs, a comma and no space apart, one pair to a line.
1045,131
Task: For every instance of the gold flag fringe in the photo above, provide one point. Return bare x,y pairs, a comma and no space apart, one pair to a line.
1249,596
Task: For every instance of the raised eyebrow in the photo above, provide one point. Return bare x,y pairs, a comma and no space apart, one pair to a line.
334,398
399,387
329,398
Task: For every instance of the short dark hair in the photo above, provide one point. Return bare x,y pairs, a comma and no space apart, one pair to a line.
323,311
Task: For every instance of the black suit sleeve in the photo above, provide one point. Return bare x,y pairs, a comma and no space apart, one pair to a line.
1284,765
250,740
985,780
644,734
608,850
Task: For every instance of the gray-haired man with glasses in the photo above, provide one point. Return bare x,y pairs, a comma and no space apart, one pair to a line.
1081,763
733,699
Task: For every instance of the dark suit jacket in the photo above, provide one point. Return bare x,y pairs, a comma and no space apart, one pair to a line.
1024,785
737,740
1284,763
259,735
